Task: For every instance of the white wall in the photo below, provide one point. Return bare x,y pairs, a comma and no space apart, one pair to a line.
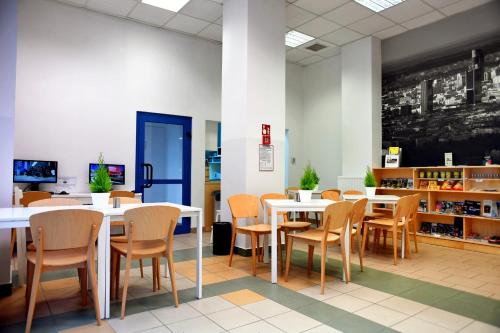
322,120
82,76
211,135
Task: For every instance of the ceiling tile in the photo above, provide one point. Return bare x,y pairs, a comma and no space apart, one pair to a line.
342,36
371,24
296,54
152,15
311,60
440,3
80,3
423,20
392,31
318,27
113,7
348,13
186,24
315,41
296,16
319,6
219,21
213,31
462,6
330,50
406,10
203,9
218,1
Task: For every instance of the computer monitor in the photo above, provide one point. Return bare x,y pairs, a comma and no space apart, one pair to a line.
115,171
35,172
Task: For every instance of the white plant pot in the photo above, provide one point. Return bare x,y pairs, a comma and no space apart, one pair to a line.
305,195
316,187
100,200
370,191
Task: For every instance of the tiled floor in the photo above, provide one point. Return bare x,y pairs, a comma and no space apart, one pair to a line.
437,290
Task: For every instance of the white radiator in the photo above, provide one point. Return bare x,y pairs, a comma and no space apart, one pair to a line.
350,183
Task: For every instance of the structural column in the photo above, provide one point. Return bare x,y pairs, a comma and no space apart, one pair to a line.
361,106
253,93
8,53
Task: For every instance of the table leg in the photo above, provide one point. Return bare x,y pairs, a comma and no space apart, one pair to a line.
199,250
21,254
274,246
402,242
103,266
347,251
265,244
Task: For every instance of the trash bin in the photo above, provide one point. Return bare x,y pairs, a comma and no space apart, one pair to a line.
222,238
216,195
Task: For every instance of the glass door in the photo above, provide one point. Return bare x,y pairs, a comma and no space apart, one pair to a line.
163,160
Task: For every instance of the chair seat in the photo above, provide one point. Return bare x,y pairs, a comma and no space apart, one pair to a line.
294,225
140,248
315,235
383,223
259,228
60,258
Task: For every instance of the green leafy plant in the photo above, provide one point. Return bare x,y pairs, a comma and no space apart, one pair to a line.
370,180
310,179
101,182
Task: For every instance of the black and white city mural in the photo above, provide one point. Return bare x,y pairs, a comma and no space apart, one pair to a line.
445,107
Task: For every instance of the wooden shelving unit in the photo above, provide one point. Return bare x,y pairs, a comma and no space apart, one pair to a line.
478,185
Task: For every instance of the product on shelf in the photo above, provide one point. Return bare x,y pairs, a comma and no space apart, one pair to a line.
397,183
442,229
491,208
472,207
422,207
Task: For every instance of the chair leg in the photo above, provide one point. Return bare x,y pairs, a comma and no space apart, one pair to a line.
82,274
170,263
344,262
288,257
154,267
141,266
310,256
34,291
395,244
117,275
95,292
113,273
231,250
323,267
353,248
13,236
414,226
385,239
363,244
30,270
280,253
407,241
125,283
254,255
158,274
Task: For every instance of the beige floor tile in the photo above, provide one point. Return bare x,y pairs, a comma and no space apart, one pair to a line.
211,304
243,297
171,314
200,324
444,319
293,321
91,328
216,268
381,315
370,295
69,304
428,273
315,292
135,323
55,294
232,318
403,305
463,281
490,288
342,286
415,325
232,274
458,271
60,283
322,329
348,302
266,308
489,278
479,327
257,327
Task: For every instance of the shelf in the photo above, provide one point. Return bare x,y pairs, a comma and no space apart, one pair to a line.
481,179
438,191
464,216
440,179
481,242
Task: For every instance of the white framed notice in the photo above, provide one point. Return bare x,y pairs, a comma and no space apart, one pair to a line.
266,158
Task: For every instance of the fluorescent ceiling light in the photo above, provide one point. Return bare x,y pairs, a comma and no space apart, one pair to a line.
294,38
378,5
172,5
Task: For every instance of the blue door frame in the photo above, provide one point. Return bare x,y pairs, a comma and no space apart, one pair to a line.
142,182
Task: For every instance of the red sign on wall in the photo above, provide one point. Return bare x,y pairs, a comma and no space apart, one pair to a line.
266,134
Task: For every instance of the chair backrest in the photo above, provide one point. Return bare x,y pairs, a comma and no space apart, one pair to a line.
243,206
65,229
55,202
358,214
126,200
403,209
337,216
151,222
353,192
414,207
122,194
271,196
330,195
334,190
29,197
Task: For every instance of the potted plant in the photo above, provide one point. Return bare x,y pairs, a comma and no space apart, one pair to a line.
100,186
370,182
316,179
307,184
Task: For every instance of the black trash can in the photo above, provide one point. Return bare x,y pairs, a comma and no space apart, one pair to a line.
222,238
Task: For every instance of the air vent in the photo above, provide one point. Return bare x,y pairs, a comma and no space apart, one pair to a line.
316,47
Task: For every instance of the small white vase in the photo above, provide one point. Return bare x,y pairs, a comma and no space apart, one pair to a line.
370,191
305,195
100,200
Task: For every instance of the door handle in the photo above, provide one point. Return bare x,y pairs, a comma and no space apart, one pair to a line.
149,175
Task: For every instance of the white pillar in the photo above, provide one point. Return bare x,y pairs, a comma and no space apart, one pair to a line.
361,106
8,51
253,93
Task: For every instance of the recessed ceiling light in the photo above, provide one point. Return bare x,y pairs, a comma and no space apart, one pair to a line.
378,5
294,38
172,5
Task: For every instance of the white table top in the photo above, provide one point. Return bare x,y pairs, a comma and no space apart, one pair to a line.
24,213
377,197
286,203
80,195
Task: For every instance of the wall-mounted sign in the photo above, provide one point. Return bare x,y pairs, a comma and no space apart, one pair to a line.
266,158
266,134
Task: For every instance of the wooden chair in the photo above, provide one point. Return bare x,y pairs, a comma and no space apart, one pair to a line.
52,202
397,223
413,219
122,194
353,192
63,239
286,226
247,206
368,215
336,216
150,234
333,195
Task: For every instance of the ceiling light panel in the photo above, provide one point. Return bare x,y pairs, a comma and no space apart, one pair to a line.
172,5
294,38
378,5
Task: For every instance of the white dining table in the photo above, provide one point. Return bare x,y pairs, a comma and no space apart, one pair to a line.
18,217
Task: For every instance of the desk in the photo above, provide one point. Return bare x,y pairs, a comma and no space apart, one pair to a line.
19,218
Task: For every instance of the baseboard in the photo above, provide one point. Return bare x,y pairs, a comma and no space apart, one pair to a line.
5,290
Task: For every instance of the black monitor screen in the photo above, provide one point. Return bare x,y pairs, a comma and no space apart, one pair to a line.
116,172
29,171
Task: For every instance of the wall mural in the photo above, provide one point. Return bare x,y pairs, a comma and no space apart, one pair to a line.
452,107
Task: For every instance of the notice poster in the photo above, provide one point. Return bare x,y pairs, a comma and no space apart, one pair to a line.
266,158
